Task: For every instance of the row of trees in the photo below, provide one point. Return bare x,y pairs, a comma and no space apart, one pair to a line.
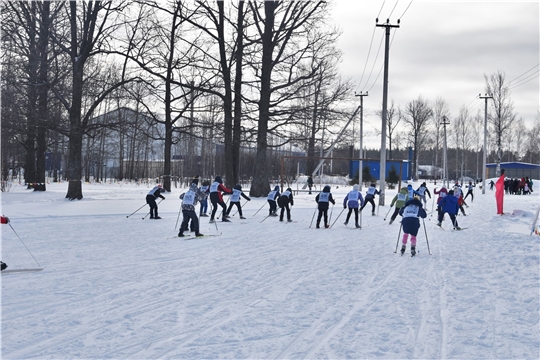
190,75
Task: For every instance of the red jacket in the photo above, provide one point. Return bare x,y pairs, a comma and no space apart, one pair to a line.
4,220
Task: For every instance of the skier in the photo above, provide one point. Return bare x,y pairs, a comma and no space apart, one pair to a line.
323,199
411,191
491,183
3,220
411,211
370,195
449,204
235,200
272,196
421,191
353,200
205,188
216,198
189,200
459,194
470,191
442,193
310,183
284,200
151,200
399,200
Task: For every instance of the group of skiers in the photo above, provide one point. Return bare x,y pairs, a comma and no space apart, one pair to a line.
408,203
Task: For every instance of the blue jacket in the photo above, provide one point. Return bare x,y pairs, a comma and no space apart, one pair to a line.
353,202
449,204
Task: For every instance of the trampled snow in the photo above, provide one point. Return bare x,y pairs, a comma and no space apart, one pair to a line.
128,288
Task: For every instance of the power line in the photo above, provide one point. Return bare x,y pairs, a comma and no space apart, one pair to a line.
526,80
406,9
535,66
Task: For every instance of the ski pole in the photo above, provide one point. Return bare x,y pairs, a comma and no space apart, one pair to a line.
338,217
23,244
135,211
265,218
149,212
240,207
259,209
387,213
313,217
220,215
179,211
427,242
399,234
331,211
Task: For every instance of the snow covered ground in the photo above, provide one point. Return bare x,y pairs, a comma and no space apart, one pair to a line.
127,288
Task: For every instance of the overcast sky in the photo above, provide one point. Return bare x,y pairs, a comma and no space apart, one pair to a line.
441,49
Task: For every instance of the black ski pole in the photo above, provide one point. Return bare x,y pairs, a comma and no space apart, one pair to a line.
427,242
313,217
338,217
387,213
149,212
399,234
24,244
240,207
135,211
178,217
259,209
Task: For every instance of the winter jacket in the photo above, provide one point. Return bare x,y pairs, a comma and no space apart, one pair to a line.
353,199
216,188
286,198
411,212
237,192
423,190
371,192
274,194
401,198
442,193
449,204
191,197
324,198
156,192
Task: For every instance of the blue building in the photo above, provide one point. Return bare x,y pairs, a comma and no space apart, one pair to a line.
514,170
375,168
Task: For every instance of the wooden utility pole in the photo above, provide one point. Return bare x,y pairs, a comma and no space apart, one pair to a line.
484,156
360,156
382,171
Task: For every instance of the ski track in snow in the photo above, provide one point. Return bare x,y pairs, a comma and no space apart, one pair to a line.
123,288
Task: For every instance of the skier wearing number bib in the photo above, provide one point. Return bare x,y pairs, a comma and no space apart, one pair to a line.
284,200
399,200
235,200
449,204
189,200
411,212
370,195
323,199
353,200
422,191
217,198
205,188
151,201
272,196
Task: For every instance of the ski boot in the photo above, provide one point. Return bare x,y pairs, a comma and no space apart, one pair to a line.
346,222
326,226
225,219
403,248
413,250
280,219
199,234
243,218
211,220
289,220
390,222
373,214
357,225
180,234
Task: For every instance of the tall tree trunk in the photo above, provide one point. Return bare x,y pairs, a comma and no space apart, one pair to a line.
238,94
74,167
260,185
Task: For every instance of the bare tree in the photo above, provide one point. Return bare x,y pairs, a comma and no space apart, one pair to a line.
502,116
440,110
281,25
416,115
463,134
393,117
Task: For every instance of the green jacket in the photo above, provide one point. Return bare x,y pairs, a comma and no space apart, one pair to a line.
401,198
